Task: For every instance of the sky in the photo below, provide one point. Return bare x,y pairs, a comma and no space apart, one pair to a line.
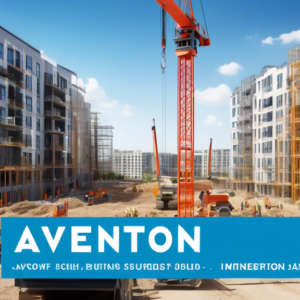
115,47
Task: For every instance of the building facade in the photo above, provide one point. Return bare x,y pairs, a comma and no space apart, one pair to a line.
260,133
128,163
39,156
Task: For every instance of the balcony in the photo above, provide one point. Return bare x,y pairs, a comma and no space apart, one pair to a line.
10,123
4,72
246,102
56,113
7,141
15,103
56,147
56,130
245,117
49,82
55,99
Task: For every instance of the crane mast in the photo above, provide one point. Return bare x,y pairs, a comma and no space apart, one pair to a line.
187,34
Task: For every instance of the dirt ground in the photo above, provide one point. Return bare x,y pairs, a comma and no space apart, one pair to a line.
144,201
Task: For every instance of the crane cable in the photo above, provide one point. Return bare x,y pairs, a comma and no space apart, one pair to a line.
163,67
204,18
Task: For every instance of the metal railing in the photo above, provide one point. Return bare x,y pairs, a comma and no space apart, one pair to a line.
54,98
6,141
7,120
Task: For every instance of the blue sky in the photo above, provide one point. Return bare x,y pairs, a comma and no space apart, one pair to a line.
115,46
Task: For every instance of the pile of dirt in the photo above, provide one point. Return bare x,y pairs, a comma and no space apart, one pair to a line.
35,209
144,187
73,202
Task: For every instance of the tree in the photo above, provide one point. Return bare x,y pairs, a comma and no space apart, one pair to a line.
148,176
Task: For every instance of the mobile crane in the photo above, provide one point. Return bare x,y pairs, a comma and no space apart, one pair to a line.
188,33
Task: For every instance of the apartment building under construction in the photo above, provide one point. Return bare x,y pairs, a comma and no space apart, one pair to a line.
44,125
294,78
261,133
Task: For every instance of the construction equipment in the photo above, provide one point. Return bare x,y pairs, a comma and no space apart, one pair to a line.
188,33
98,196
165,194
211,204
61,210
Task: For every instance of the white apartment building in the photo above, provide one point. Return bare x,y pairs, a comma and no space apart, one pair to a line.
260,139
220,162
271,105
128,163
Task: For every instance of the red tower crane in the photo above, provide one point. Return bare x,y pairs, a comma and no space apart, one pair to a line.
188,32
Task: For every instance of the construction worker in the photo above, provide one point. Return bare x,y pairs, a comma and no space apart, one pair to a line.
134,212
127,212
269,204
266,202
242,205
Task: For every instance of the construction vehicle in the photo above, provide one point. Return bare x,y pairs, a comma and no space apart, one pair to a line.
165,193
211,204
61,209
98,196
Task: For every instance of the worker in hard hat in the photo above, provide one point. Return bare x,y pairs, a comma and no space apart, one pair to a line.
134,212
127,212
266,202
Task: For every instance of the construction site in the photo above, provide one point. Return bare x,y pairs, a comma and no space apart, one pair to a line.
66,173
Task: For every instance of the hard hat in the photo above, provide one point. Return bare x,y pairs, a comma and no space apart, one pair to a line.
134,212
127,212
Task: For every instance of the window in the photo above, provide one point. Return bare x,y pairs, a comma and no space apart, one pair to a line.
279,129
38,124
279,81
233,124
38,107
2,92
259,118
279,113
29,63
267,147
238,111
254,133
258,162
38,89
255,118
10,56
37,142
2,112
28,141
1,51
255,148
38,70
259,133
255,103
268,102
279,101
28,83
258,86
258,148
268,117
233,112
233,101
258,176
63,83
267,132
28,122
267,84
29,103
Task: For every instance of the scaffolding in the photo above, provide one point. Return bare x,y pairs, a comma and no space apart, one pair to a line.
242,155
101,146
294,78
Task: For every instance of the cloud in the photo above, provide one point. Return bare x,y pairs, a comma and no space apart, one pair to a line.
250,37
127,111
217,96
268,40
286,38
99,100
230,69
212,121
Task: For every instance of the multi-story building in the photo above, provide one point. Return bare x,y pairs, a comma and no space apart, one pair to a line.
200,164
148,166
220,161
168,164
38,132
128,163
260,137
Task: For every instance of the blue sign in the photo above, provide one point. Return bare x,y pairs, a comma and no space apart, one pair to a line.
150,248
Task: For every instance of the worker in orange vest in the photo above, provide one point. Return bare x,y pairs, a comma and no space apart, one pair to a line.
269,204
266,202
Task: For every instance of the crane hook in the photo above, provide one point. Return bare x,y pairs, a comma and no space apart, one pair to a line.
163,63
